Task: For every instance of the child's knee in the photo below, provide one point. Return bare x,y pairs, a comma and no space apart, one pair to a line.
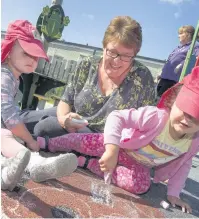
135,183
140,186
135,187
5,133
40,128
6,136
141,189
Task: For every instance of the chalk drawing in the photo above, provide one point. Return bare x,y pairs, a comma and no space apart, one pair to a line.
129,208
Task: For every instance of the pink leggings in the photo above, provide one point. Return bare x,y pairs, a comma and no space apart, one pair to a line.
128,175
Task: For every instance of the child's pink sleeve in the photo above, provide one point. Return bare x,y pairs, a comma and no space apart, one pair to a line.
128,120
177,182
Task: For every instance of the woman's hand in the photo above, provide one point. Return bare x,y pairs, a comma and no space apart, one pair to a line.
177,201
109,158
177,68
67,123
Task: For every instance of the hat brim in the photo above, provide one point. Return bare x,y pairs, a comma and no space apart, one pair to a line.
34,48
188,102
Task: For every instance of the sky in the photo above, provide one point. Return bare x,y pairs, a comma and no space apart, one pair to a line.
160,20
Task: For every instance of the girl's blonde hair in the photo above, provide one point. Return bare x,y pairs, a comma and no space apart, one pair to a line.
124,30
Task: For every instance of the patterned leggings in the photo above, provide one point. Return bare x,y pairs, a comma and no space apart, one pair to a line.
128,174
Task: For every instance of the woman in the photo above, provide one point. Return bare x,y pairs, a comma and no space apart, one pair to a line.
173,67
98,87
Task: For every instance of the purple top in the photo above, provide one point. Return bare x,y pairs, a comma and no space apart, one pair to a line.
177,57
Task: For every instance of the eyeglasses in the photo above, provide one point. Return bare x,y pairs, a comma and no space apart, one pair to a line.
114,55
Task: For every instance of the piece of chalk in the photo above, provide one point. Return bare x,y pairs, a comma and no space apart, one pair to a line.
79,121
107,177
164,204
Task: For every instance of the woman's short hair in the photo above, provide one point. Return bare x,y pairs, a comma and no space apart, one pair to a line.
188,29
124,30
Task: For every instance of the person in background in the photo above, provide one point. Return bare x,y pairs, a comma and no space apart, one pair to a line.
20,52
99,86
173,67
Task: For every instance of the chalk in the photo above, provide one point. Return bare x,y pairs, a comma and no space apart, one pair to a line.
107,177
164,204
79,121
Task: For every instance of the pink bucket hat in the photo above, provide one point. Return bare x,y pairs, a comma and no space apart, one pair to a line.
28,38
188,98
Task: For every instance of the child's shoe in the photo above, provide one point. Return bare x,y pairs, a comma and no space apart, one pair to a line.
54,167
12,173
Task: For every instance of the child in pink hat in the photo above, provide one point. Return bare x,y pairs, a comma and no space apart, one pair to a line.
20,52
165,137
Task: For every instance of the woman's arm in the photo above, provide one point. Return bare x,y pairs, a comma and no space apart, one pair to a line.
74,85
62,110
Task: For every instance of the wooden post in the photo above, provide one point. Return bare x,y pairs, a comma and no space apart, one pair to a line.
41,63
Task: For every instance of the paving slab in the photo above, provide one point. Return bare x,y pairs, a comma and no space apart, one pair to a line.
71,197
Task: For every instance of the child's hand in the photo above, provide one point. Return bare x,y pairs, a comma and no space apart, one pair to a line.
109,158
177,201
33,145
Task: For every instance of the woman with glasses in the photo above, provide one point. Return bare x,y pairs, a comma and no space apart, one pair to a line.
116,81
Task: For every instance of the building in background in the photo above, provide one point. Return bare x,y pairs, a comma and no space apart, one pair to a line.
65,56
